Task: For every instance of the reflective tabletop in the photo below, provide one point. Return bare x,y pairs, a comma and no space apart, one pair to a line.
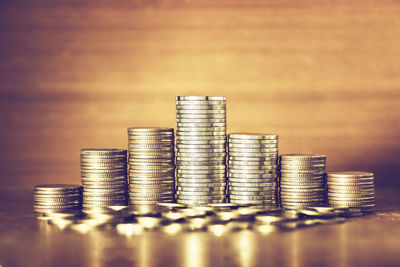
372,240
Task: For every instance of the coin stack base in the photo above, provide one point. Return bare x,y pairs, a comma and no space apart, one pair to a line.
151,167
201,150
252,169
302,181
57,198
351,190
104,179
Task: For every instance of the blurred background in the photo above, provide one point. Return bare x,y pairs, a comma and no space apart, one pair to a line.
323,75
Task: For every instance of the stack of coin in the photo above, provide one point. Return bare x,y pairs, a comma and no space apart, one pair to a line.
151,166
302,181
252,169
201,149
351,189
57,198
104,179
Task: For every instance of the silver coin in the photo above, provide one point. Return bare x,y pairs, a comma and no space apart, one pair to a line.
197,134
244,142
252,193
183,130
253,155
195,104
239,159
201,125
252,189
100,176
299,186
209,138
180,107
351,174
269,163
197,180
303,173
155,165
253,171
253,150
215,194
135,149
252,180
200,142
200,111
244,168
102,151
57,188
252,175
201,172
247,136
200,162
201,189
201,147
202,185
198,203
201,120
257,145
201,198
145,130
298,164
206,176
170,161
302,157
195,167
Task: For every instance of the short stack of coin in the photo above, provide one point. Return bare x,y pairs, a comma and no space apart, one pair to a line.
252,169
302,181
151,166
351,189
104,178
57,198
201,149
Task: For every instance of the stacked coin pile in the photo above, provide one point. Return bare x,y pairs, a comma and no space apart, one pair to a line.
252,169
351,189
302,181
151,166
104,179
201,149
57,198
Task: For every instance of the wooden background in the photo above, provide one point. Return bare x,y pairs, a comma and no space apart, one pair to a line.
324,75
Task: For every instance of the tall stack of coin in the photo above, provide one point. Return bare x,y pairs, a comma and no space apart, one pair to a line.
252,169
57,198
201,149
104,179
302,181
151,166
351,189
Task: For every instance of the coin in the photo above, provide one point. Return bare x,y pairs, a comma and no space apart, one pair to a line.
254,185
200,176
242,158
202,185
199,106
247,136
201,189
256,145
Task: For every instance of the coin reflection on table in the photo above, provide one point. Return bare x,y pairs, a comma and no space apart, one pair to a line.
244,243
194,250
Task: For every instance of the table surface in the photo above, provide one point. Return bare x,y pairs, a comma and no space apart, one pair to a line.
366,241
